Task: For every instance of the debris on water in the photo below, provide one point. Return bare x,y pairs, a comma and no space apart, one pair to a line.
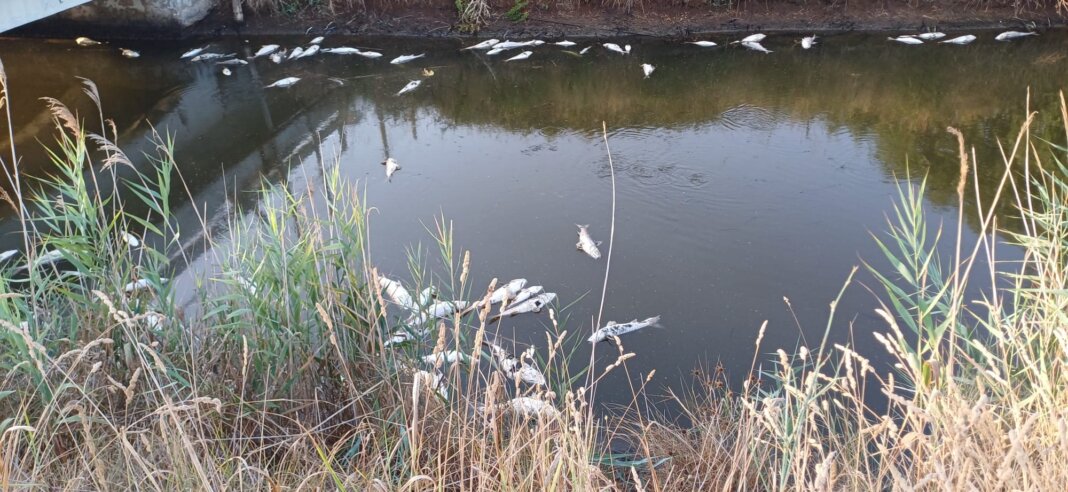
428,72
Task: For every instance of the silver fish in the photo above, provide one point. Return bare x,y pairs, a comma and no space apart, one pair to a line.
506,362
613,329
48,257
485,45
931,36
526,406
411,86
522,56
344,50
703,44
584,50
509,45
317,40
210,56
508,291
527,293
906,40
565,43
8,254
141,284
295,53
405,58
428,294
278,57
532,305
438,310
808,41
614,47
193,52
128,53
647,69
129,239
755,46
753,38
286,82
494,51
313,49
234,61
447,357
965,39
436,381
529,374
586,243
396,293
391,163
265,50
1010,35
369,54
84,41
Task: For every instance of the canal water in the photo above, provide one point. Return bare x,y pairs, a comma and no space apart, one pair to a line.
743,179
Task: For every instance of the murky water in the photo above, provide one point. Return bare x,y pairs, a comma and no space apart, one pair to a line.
742,178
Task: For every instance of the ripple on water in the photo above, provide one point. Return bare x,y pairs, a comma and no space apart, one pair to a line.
748,116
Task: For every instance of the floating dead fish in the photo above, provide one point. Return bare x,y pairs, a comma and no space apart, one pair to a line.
278,57
522,56
411,86
406,58
210,56
703,44
141,284
586,243
295,53
48,257
529,374
193,52
527,293
647,69
494,51
130,239
84,41
266,49
614,47
343,50
436,382
755,46
312,50
428,294
509,45
808,42
965,39
565,43
1010,35
234,61
6,255
286,82
438,310
391,163
317,40
529,407
584,50
906,40
396,293
227,72
128,53
369,54
931,36
447,357
613,329
752,38
502,294
533,305
485,45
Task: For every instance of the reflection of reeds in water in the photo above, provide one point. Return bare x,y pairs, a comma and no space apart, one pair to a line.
282,379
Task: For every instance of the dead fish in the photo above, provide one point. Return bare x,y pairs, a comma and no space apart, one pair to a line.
293,55
48,257
129,239
526,406
906,40
428,294
266,49
391,163
506,362
647,69
965,39
931,36
278,57
344,50
247,284
435,381
193,52
565,43
613,329
406,58
312,50
8,254
286,82
527,293
128,53
317,40
703,44
614,47
438,310
141,284
210,56
584,50
510,45
369,54
528,372
522,56
411,86
397,293
752,38
447,357
502,294
401,336
532,305
84,41
586,243
755,46
494,51
485,45
1010,35
234,61
227,72
808,41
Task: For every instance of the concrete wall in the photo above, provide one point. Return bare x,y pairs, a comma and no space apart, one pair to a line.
14,13
139,14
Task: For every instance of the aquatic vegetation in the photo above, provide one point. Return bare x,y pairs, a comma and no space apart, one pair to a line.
281,378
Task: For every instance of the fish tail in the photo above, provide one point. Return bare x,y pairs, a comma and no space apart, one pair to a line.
654,321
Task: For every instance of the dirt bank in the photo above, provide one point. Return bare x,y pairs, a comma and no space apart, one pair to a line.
660,19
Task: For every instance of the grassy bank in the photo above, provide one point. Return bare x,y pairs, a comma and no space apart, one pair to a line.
280,376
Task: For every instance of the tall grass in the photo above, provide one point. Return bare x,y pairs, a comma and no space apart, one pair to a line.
282,377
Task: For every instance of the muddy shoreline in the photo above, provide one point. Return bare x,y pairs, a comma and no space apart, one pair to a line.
661,21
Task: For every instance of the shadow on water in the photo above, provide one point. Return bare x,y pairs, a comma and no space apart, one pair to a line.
743,178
